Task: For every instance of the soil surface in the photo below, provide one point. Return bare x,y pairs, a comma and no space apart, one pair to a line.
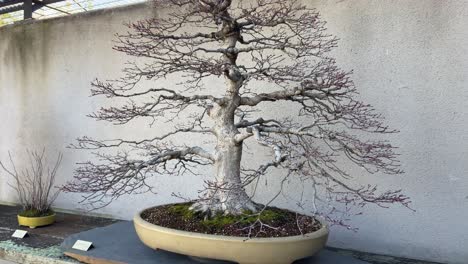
273,222
36,213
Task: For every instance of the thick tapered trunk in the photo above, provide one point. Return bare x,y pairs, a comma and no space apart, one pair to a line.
231,194
227,194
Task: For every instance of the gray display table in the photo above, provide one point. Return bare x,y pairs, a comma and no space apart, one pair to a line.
118,243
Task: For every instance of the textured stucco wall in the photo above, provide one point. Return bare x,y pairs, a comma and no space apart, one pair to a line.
410,60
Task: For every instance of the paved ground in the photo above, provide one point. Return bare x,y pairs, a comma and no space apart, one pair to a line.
42,242
43,237
6,262
379,259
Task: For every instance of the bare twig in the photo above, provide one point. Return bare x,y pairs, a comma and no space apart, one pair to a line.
34,184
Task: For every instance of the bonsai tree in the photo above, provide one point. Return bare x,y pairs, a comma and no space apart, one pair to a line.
269,53
34,184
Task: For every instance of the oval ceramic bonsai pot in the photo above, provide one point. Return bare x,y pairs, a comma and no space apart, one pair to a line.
278,250
34,222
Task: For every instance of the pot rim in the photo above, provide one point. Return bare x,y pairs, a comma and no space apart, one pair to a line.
321,232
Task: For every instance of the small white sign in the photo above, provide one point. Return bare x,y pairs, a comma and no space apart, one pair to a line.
19,233
82,245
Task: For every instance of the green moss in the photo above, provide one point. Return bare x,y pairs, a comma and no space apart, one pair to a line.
220,220
36,213
183,210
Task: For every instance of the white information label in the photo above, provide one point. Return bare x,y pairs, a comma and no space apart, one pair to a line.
19,233
82,245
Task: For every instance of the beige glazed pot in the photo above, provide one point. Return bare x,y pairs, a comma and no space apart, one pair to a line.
281,250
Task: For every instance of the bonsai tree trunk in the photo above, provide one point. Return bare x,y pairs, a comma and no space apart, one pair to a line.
226,194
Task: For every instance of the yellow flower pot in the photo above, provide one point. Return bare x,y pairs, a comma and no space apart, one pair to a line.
278,250
33,222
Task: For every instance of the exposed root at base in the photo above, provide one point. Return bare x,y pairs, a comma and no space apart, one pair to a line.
212,207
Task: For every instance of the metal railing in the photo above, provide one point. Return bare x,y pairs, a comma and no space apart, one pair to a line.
12,11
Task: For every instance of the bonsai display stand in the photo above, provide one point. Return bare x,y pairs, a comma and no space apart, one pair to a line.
118,243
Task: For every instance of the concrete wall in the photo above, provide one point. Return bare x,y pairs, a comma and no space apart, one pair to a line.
410,60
